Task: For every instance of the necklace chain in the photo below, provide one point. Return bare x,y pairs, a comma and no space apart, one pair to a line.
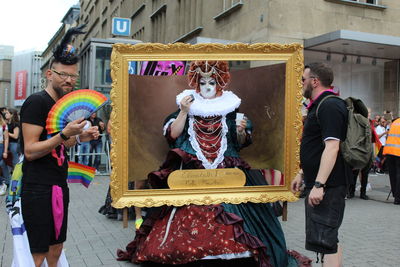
209,140
207,120
215,140
210,127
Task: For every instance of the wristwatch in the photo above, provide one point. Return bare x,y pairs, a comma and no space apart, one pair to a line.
63,136
318,184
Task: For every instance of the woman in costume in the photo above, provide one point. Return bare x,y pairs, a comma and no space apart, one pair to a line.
204,134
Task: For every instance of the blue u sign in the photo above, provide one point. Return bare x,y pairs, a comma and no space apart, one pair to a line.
121,26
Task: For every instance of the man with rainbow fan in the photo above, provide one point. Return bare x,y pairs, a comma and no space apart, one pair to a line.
44,192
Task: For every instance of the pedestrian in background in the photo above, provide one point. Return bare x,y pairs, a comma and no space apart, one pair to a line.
324,170
5,174
96,145
392,152
365,171
381,132
84,149
13,124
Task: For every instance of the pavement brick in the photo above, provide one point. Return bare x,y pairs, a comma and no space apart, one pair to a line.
370,233
91,259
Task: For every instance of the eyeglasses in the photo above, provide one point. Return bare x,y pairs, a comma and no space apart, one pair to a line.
304,79
65,76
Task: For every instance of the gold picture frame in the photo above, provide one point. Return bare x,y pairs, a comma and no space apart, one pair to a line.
122,54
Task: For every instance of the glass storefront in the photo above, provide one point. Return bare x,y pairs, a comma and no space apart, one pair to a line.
374,80
96,69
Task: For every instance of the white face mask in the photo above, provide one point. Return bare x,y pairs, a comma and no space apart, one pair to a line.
208,87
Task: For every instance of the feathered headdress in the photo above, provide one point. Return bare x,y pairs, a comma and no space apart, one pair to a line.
65,53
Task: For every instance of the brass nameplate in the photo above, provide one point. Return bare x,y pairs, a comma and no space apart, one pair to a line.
215,178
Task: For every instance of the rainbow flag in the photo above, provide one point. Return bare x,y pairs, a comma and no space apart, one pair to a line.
79,173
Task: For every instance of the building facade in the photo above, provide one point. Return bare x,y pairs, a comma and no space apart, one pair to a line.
26,77
6,54
360,39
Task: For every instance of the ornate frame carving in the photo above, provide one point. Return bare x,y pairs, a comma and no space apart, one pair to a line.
291,54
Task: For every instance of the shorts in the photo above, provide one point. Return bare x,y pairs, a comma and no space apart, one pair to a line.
323,221
38,216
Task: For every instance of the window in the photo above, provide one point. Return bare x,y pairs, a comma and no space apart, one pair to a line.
103,75
139,35
228,7
227,4
138,20
373,4
188,19
158,24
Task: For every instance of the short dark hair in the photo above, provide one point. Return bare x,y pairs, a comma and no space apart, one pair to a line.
69,62
321,71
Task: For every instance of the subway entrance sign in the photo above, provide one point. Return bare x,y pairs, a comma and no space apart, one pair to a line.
121,26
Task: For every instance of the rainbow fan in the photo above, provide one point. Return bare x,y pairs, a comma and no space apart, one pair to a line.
75,105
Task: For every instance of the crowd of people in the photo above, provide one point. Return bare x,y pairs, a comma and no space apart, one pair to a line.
9,145
387,144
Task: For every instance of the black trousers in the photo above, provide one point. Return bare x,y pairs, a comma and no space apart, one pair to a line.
363,181
393,163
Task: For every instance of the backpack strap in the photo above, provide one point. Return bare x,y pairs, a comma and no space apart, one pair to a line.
322,101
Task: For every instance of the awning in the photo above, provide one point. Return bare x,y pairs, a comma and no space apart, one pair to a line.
356,43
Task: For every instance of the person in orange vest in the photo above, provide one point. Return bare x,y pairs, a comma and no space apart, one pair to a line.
392,152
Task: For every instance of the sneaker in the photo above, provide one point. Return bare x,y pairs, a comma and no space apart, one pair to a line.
3,189
97,172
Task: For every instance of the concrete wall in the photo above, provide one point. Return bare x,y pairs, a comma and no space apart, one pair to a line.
6,54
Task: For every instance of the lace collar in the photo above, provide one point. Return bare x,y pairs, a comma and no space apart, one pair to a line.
219,106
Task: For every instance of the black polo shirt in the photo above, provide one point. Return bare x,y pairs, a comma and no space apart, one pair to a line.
332,122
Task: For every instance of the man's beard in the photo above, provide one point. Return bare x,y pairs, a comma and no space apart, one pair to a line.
60,92
307,92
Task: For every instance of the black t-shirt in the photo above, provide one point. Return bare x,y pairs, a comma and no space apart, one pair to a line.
11,127
44,170
96,122
332,115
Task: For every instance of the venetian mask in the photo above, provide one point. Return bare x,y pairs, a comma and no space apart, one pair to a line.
208,87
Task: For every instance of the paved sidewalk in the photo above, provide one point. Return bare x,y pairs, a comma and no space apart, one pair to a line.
92,238
370,233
